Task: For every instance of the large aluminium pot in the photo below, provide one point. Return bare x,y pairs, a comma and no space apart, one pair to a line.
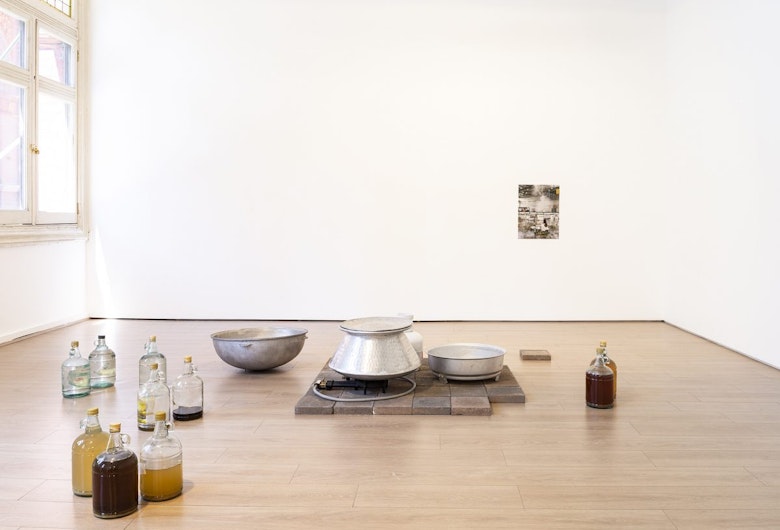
466,361
375,348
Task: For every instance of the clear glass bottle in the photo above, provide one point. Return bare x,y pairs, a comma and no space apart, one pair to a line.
153,395
152,355
102,364
601,351
160,463
85,448
188,394
115,477
599,385
75,373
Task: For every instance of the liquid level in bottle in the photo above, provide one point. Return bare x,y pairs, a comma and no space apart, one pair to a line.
85,449
187,413
161,484
599,390
115,488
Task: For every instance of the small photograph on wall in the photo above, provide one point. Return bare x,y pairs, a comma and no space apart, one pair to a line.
537,211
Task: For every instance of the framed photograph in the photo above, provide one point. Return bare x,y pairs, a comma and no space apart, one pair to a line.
538,211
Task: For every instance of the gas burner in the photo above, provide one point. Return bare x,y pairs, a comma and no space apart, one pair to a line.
378,386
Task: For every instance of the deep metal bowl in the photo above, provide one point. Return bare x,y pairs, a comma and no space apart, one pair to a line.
259,348
466,361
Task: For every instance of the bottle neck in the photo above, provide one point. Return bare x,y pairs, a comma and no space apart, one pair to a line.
161,429
91,424
74,353
116,442
153,375
188,369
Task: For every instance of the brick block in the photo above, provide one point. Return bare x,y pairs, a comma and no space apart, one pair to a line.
470,406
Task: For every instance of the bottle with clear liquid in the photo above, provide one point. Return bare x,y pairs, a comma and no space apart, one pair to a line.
85,448
75,373
188,394
153,395
601,351
599,385
152,355
115,477
102,365
160,463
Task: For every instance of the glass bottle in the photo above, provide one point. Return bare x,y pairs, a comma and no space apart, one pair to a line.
160,463
188,394
85,448
599,385
608,361
115,477
152,355
102,365
75,373
153,395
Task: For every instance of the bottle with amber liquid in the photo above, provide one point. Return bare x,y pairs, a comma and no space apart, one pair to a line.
85,448
152,355
160,463
115,478
599,385
187,394
601,351
153,395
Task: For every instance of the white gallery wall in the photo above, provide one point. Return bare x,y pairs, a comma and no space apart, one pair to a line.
324,160
723,213
44,286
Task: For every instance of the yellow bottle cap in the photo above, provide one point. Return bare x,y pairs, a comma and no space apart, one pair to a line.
115,427
74,344
92,412
188,359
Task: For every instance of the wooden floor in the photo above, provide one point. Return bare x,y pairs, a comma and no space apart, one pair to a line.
693,442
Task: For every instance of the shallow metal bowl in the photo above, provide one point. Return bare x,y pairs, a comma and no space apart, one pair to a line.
259,348
466,361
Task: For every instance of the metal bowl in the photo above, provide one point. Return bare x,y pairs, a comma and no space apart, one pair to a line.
466,361
259,348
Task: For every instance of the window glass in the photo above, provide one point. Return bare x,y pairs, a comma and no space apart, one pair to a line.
57,156
12,40
55,58
12,147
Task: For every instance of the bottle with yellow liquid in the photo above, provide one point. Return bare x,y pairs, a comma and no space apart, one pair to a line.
85,448
160,463
610,363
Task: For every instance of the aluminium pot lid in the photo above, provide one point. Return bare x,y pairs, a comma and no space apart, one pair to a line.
376,325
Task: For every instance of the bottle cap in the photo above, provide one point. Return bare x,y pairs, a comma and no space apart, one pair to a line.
603,344
115,427
152,338
159,415
188,359
101,336
74,344
92,412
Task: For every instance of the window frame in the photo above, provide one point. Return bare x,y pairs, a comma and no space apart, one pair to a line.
31,225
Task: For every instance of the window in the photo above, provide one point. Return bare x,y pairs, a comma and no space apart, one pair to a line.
39,167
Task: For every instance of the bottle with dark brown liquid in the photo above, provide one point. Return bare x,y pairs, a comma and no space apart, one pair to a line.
599,385
160,463
608,361
187,394
115,478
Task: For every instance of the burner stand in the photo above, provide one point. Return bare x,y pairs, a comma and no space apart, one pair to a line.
379,385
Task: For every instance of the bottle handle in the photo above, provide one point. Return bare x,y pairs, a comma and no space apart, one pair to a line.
125,438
